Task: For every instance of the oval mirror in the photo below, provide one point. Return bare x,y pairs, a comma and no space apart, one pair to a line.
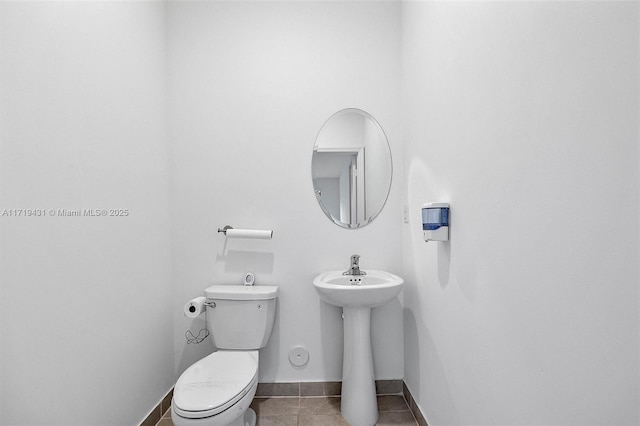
351,168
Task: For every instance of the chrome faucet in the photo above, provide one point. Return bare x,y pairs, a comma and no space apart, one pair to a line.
354,269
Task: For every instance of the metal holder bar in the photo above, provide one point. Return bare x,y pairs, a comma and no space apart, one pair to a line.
224,230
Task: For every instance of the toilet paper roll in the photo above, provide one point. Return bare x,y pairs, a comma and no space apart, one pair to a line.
194,307
262,234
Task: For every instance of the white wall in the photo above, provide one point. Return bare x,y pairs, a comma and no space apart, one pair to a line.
86,334
524,115
251,85
378,170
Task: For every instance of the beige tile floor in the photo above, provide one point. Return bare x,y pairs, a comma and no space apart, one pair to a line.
320,411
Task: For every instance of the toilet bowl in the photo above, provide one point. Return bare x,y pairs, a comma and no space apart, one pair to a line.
218,389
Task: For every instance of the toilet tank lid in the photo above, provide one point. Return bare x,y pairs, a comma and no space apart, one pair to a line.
241,292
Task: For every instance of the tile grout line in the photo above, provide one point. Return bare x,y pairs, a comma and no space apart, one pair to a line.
413,416
299,403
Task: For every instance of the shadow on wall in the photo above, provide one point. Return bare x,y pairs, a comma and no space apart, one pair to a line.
412,349
195,351
425,185
240,260
387,342
440,399
332,340
444,261
270,356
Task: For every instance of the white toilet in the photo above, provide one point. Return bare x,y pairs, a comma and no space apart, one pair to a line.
218,389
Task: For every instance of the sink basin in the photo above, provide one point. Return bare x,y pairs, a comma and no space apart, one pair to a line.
371,290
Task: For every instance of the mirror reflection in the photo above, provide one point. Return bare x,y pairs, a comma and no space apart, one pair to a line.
351,168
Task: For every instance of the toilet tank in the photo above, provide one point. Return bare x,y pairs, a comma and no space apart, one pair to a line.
240,317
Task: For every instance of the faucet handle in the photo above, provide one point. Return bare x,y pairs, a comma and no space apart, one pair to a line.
354,267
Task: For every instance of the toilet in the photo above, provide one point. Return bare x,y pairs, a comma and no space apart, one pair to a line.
218,389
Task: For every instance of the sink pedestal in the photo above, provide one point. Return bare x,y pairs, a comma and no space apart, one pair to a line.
357,294
359,405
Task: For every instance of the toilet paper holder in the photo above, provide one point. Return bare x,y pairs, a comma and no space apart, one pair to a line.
260,234
225,229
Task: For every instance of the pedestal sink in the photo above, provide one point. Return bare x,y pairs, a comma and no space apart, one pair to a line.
357,294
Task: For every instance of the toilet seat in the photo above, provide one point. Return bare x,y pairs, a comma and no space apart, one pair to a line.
215,383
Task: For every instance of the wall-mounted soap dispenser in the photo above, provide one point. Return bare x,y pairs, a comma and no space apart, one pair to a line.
435,221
